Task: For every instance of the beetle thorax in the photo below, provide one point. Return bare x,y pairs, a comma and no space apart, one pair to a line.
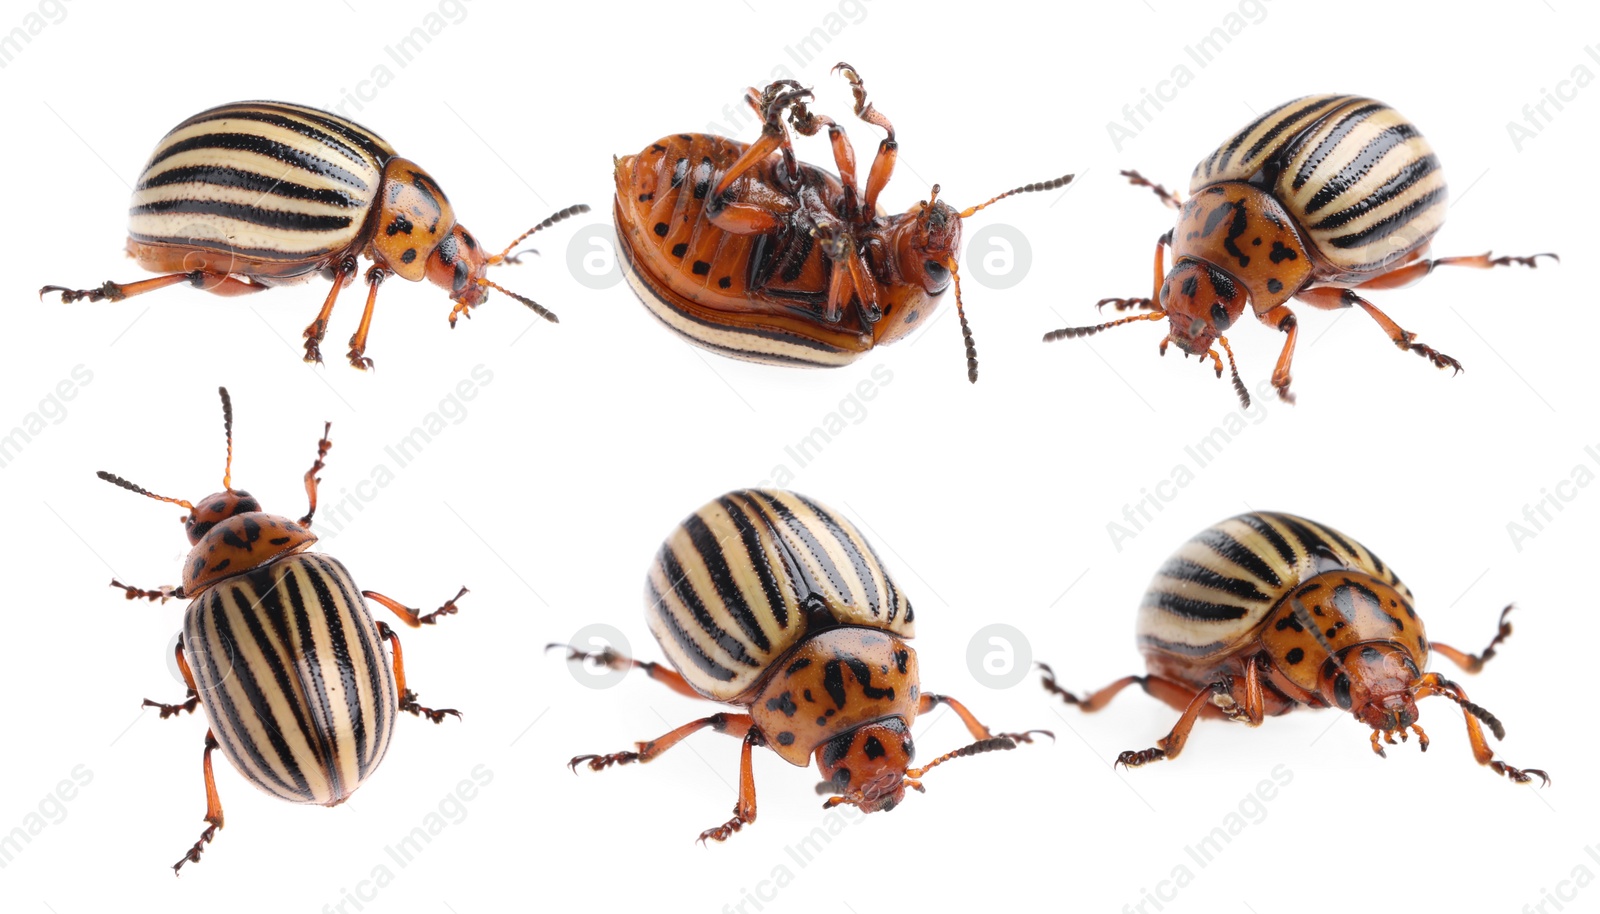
238,544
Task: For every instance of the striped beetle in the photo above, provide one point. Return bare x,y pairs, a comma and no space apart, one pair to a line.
280,650
1264,613
748,252
770,601
250,195
1313,200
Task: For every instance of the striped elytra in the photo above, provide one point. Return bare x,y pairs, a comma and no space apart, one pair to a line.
1315,201
744,250
771,602
1267,612
250,195
749,575
279,649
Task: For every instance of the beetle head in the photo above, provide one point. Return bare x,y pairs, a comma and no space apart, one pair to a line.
1376,682
927,252
867,766
461,265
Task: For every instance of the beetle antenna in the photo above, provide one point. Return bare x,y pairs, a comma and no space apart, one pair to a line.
569,212
992,744
1238,385
1075,332
966,329
227,431
1062,181
1450,690
537,308
116,480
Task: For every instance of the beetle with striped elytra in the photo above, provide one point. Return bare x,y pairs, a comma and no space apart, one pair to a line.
771,602
746,251
1266,612
251,195
280,650
1332,194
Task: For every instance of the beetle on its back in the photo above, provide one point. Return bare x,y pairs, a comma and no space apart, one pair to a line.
250,195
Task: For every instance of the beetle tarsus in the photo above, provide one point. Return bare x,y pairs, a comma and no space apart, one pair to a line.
602,762
163,593
724,831
408,702
1132,759
193,856
110,291
1520,775
174,710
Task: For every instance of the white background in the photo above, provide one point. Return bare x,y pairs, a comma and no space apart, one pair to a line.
549,491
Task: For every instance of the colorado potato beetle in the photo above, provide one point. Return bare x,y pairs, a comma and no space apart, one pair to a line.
746,251
1311,201
769,601
1264,613
280,651
250,195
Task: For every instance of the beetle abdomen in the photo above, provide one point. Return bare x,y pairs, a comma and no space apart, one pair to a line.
269,181
1360,179
752,297
740,581
1215,591
293,677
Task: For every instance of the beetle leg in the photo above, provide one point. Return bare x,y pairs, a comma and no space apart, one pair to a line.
408,615
737,725
1138,180
612,659
773,138
193,700
1170,745
1095,700
844,155
163,593
1333,297
215,283
888,150
1434,684
1473,663
408,698
358,341
850,278
744,812
213,810
974,726
1283,319
1401,277
318,328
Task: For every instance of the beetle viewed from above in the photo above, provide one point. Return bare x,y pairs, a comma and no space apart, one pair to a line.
280,651
251,195
747,251
1266,612
1312,201
771,602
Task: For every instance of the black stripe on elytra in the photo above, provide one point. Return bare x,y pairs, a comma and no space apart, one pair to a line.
292,626
1349,548
1270,533
755,557
866,569
214,644
299,128
710,551
250,682
1360,164
246,212
1414,171
1176,647
370,142
1193,572
1310,540
333,607
223,176
1222,543
360,625
1199,610
686,643
784,521
260,145
683,589
1388,225
1238,139
1332,139
309,260
1285,123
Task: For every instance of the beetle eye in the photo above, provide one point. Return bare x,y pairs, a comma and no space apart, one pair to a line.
1166,289
935,269
1219,316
